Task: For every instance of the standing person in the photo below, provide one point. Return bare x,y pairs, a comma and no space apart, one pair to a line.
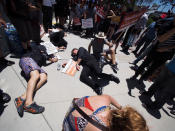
4,50
35,14
99,17
163,50
99,109
90,13
47,8
98,45
150,34
18,12
90,68
30,64
164,83
3,61
61,11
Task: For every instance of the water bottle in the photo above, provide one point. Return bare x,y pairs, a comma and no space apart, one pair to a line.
58,66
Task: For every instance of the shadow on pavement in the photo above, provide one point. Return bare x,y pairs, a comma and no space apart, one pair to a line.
4,98
134,84
154,112
2,67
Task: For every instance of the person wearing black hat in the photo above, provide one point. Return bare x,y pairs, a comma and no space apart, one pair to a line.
90,68
30,64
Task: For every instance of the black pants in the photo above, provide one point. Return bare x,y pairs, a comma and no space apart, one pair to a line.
47,17
142,41
127,36
153,61
35,22
92,69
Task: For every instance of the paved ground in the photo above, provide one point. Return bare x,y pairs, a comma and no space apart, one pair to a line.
58,92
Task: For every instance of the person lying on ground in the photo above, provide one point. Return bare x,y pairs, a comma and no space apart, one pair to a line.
116,118
57,38
31,64
90,68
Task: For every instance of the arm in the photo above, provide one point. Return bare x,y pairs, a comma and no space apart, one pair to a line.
2,22
113,101
89,47
108,43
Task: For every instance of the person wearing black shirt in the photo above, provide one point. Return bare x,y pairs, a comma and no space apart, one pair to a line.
163,50
90,68
31,64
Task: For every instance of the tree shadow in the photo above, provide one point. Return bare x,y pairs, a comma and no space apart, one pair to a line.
132,84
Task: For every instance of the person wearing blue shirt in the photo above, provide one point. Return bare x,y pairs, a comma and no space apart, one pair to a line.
146,39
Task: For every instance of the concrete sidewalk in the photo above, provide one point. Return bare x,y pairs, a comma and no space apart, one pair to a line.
57,94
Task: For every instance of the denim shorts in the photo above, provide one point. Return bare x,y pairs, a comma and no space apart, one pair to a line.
28,64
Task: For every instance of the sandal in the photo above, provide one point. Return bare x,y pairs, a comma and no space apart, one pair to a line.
19,103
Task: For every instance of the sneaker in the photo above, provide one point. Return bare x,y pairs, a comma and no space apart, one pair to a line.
19,103
5,97
34,108
115,79
98,91
114,68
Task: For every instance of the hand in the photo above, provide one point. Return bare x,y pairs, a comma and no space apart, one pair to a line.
2,22
110,45
63,65
54,59
77,67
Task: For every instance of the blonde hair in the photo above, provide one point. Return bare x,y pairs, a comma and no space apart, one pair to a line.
127,119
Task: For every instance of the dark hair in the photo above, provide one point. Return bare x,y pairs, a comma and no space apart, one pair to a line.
72,52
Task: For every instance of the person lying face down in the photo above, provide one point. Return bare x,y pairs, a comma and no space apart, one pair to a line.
57,38
30,64
116,118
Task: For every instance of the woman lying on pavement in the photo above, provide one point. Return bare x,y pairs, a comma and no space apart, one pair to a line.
98,108
31,64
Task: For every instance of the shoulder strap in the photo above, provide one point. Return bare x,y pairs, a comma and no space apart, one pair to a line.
93,122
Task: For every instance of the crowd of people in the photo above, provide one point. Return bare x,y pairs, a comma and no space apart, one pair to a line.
155,46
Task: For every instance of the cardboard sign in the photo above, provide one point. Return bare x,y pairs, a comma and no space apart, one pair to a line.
76,21
70,68
50,48
130,19
87,23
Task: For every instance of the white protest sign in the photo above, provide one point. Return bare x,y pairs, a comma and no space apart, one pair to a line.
87,23
50,48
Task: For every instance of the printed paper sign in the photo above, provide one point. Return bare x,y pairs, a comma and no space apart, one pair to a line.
50,48
76,21
70,68
87,23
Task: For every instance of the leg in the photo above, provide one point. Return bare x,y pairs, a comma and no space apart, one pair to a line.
139,44
41,82
113,56
146,62
152,68
84,77
144,47
31,85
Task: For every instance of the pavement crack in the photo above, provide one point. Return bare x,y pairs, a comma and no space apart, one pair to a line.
18,77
